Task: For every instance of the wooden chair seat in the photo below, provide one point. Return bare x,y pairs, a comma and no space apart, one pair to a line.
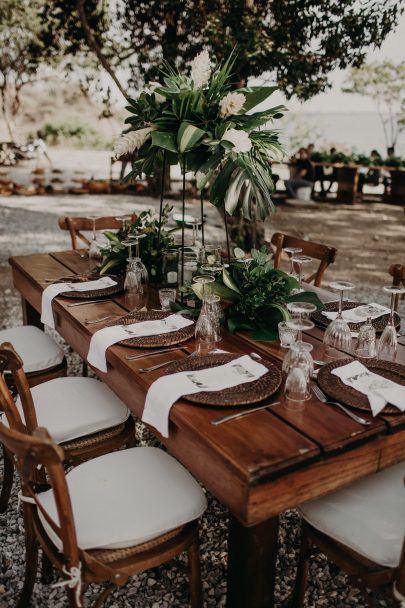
325,254
362,530
94,503
77,225
82,413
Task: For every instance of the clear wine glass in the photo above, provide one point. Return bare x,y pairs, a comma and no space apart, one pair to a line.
300,260
300,322
365,347
204,280
388,343
94,251
124,219
338,335
291,252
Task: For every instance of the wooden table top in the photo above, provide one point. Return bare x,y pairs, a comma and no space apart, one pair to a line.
257,466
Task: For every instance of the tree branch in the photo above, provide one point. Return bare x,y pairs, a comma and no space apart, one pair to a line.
95,47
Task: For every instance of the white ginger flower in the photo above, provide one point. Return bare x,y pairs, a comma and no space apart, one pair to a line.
231,104
240,140
201,69
131,141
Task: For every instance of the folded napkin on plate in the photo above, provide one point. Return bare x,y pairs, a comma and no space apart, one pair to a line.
163,393
379,390
54,290
360,314
108,336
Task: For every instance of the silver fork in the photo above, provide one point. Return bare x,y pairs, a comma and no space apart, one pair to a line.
318,392
222,419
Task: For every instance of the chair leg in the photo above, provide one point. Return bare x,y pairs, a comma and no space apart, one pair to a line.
194,564
302,570
85,369
74,601
46,570
8,474
31,560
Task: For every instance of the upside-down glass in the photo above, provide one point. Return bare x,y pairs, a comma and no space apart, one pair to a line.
291,252
166,296
388,343
287,335
300,260
338,335
300,322
207,329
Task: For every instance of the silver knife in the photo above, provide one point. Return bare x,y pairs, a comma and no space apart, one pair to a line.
222,419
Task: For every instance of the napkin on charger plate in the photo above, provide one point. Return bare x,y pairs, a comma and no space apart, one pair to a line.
108,336
165,391
55,289
360,314
379,390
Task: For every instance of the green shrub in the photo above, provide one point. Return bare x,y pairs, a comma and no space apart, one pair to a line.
74,134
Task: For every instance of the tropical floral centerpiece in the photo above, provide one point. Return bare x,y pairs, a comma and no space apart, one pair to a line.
158,238
199,122
255,294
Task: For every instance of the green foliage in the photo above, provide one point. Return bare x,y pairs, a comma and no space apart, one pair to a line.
75,134
256,295
115,256
187,123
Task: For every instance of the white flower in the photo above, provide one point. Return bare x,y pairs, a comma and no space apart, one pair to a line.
231,104
152,88
240,140
132,141
201,69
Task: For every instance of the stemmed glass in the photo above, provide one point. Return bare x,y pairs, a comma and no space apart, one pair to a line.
94,251
124,219
300,260
338,334
291,252
136,279
301,350
388,343
204,280
207,329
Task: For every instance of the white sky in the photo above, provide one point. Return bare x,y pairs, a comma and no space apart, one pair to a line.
334,100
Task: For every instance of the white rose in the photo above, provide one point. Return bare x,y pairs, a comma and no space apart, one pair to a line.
131,141
231,104
201,69
240,140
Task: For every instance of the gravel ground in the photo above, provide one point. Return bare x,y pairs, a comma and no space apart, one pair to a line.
368,238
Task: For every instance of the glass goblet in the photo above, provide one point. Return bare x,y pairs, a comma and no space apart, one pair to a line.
366,341
94,251
166,296
300,260
291,252
338,335
205,281
388,343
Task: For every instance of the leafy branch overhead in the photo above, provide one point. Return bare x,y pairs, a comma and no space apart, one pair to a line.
200,122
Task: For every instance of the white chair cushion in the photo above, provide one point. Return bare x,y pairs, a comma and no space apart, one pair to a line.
37,350
368,516
73,407
126,498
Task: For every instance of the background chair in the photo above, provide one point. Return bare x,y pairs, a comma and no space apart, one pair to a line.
107,519
82,414
326,255
361,529
76,225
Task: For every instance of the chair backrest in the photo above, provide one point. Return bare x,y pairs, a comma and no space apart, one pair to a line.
75,225
38,458
325,254
11,362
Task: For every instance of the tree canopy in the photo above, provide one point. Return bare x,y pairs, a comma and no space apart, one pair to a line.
298,42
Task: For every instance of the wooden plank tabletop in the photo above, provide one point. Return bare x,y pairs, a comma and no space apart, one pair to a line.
241,460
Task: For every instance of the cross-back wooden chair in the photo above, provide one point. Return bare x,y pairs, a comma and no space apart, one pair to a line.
397,271
75,226
361,529
325,254
74,517
83,414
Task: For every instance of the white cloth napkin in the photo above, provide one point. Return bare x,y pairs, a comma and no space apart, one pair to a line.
52,291
360,314
108,336
163,393
379,390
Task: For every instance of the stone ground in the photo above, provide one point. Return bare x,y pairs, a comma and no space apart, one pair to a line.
369,238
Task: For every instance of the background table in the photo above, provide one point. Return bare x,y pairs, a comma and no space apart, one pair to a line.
257,466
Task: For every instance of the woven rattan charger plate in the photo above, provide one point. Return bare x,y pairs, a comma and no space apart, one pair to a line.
379,323
243,394
91,294
173,337
335,389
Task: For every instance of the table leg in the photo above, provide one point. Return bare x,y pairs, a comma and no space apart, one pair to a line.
30,315
252,554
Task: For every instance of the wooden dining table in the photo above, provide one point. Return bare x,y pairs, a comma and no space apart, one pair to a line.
257,466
